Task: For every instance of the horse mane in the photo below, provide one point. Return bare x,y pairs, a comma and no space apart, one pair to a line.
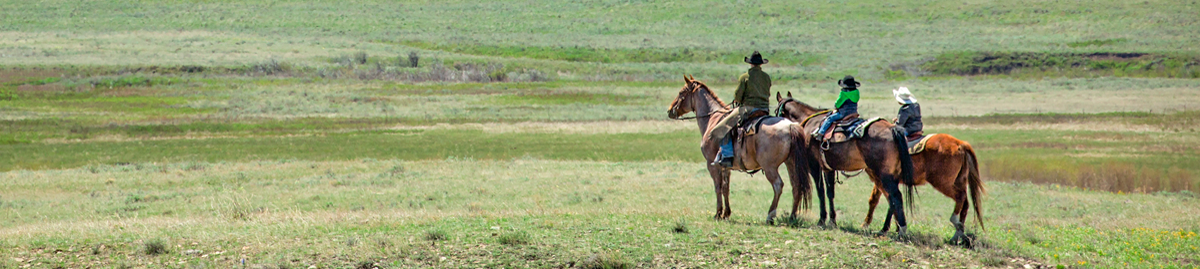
710,92
797,101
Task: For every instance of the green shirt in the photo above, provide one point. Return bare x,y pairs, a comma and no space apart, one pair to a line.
851,95
754,89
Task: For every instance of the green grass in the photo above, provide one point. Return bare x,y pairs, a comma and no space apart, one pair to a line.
264,134
605,55
614,40
419,145
1096,63
342,213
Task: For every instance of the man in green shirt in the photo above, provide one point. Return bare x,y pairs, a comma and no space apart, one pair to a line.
753,93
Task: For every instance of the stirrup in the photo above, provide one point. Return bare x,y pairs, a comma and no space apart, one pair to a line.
723,162
824,145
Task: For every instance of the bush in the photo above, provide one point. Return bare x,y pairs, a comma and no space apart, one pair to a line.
155,247
605,260
435,235
515,238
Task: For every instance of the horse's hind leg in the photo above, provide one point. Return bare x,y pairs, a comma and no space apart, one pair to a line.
960,208
777,185
795,190
895,202
960,204
887,221
871,204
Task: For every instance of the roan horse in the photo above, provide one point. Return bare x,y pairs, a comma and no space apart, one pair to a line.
948,164
777,141
882,152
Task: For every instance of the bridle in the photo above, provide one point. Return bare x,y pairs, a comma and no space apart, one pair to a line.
710,113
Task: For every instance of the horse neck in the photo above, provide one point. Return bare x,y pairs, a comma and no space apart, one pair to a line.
805,109
707,105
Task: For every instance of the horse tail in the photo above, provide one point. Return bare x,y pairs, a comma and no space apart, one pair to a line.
800,162
973,181
906,163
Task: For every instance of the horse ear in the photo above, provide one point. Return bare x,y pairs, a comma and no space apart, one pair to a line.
789,94
778,98
686,80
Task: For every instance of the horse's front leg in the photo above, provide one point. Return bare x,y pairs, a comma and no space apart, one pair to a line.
830,183
820,184
725,192
715,173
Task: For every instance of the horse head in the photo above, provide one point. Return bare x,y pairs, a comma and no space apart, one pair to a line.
683,103
793,109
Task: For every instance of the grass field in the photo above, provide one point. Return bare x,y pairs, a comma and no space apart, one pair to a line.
267,134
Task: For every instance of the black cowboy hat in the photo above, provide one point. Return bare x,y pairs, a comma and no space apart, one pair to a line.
848,82
756,58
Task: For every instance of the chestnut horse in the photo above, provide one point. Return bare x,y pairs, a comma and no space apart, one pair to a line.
948,164
882,152
779,140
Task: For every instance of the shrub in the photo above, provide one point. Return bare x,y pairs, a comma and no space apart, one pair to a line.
155,247
435,235
605,260
515,238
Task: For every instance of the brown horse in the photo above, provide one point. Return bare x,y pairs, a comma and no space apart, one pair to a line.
882,152
949,165
778,141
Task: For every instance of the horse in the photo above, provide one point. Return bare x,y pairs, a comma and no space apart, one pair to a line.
882,152
778,141
950,166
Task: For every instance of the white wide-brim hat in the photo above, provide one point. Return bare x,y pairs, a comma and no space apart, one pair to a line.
904,96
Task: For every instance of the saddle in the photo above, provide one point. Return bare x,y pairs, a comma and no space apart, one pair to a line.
848,128
918,145
745,129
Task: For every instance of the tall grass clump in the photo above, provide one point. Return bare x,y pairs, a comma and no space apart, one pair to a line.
435,235
605,260
513,238
154,247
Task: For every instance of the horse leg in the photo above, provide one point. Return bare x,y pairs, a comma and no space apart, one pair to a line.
959,205
887,221
820,182
874,201
725,192
830,183
896,202
716,177
777,185
795,181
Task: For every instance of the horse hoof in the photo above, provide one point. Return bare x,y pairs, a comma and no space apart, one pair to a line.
902,232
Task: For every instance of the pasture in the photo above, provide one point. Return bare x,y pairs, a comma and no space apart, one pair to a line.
265,134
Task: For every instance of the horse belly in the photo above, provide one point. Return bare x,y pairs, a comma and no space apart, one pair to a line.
845,157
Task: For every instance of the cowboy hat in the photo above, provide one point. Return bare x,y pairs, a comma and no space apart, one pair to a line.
904,96
756,58
848,82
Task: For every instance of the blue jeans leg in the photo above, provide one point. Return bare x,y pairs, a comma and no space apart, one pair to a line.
727,149
829,121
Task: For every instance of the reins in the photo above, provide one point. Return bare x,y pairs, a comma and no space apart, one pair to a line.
710,113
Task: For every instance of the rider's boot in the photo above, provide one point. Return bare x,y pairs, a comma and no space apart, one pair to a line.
725,155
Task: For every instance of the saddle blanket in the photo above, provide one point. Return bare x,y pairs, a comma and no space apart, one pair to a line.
917,146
